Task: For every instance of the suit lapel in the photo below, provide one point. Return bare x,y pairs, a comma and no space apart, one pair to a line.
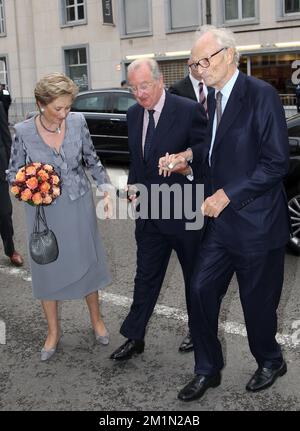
211,103
189,89
233,107
138,130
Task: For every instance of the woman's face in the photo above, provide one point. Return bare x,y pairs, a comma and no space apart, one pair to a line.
57,111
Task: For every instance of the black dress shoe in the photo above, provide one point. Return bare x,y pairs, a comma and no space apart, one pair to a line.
187,344
265,377
128,349
198,386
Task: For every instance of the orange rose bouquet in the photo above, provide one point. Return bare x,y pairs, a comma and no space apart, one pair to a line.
36,184
39,184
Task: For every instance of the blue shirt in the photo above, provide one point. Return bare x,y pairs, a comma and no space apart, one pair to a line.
226,91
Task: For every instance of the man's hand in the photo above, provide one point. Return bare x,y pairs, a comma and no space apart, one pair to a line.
214,205
175,163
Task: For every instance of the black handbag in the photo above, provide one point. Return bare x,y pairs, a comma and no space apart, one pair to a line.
43,246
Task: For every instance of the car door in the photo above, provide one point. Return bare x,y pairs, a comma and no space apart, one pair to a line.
292,182
96,108
121,102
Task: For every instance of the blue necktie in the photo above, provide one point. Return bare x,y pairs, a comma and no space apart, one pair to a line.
149,134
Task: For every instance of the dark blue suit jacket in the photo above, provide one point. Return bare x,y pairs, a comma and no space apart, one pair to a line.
5,143
182,124
249,160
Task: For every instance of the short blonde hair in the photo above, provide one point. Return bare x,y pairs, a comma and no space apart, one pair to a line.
52,86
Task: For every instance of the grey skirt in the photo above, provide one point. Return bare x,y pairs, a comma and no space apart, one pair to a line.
81,266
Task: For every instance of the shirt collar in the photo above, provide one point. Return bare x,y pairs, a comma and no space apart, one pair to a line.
227,89
194,81
160,104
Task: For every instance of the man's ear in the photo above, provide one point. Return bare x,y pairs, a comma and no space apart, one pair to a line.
230,55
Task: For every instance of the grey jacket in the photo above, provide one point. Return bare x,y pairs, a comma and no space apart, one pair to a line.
28,146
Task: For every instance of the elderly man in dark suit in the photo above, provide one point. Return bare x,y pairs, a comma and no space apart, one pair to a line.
5,98
160,122
248,225
192,87
6,226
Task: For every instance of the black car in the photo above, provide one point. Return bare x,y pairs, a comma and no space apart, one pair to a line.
292,181
105,113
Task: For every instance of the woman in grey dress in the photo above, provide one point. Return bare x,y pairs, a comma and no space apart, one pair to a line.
60,138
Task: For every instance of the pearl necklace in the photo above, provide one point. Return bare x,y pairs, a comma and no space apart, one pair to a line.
57,130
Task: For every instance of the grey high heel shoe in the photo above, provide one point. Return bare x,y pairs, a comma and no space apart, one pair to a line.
47,354
102,339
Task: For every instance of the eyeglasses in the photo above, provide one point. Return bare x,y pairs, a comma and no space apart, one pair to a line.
204,62
144,86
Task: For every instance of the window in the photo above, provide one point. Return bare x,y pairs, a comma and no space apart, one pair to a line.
94,102
77,67
3,70
74,12
291,6
136,17
288,10
243,11
2,18
276,70
184,15
122,103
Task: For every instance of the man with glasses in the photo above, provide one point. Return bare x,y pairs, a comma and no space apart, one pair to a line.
248,222
160,122
192,86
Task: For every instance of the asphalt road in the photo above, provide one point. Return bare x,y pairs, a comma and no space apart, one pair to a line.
82,377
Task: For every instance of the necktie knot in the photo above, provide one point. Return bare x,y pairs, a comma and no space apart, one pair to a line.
219,96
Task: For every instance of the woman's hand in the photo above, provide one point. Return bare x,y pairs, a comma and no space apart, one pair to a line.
108,206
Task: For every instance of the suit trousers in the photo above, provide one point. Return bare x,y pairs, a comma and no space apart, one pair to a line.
154,249
260,279
6,226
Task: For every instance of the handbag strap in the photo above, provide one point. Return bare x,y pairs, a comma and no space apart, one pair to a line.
40,219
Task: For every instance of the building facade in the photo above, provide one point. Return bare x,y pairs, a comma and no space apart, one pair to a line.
93,41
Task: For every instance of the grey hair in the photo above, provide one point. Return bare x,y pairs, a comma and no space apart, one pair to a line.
224,36
152,64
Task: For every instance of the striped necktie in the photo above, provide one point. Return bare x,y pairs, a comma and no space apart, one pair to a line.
202,97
